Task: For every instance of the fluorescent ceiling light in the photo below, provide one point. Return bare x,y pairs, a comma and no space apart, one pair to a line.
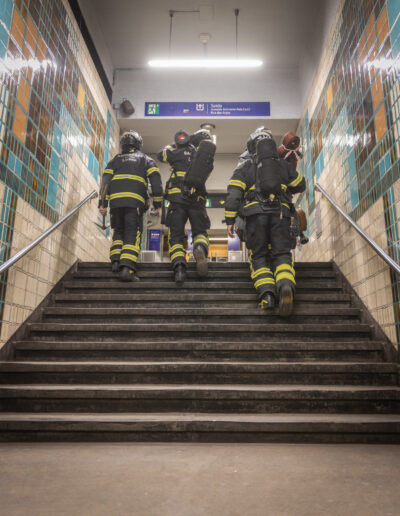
205,63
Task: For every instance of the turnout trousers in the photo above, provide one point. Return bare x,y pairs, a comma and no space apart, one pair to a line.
269,242
177,216
127,224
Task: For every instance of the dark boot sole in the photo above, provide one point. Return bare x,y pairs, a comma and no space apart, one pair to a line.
201,262
286,301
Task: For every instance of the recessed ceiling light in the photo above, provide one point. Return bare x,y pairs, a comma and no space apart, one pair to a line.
205,63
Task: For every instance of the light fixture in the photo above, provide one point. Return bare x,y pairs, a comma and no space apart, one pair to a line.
205,63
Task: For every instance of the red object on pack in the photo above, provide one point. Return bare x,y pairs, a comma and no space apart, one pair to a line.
289,150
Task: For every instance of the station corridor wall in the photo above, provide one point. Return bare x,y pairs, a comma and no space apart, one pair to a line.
351,134
57,131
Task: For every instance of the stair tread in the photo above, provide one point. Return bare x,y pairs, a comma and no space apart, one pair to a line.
205,417
192,344
196,295
98,326
196,365
235,285
108,387
298,310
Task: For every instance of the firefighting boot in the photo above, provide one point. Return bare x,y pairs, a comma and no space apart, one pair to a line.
127,274
180,274
201,261
285,300
267,301
115,267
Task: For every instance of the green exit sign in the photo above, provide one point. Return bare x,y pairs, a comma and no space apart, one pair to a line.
153,109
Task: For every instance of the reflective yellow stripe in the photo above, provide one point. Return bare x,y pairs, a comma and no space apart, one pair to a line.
286,205
151,170
284,267
284,187
108,171
251,204
158,199
117,242
236,182
115,251
267,281
200,238
258,272
230,213
180,173
285,275
252,187
131,257
176,246
296,181
178,253
129,247
130,176
174,190
132,195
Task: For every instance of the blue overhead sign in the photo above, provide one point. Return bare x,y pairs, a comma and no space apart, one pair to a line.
207,109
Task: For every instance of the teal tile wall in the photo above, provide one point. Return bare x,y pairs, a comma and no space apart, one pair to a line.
357,117
47,112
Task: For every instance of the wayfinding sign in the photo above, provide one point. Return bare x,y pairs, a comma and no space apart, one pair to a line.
207,109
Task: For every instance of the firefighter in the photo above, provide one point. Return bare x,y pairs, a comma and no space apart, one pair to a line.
264,184
125,183
185,203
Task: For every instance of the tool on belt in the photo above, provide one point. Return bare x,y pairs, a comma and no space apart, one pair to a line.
103,194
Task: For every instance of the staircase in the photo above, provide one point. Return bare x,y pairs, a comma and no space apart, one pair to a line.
149,361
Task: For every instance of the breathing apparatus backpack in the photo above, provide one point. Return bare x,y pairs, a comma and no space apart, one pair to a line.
268,171
201,167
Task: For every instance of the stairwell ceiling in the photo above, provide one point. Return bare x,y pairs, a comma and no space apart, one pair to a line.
285,34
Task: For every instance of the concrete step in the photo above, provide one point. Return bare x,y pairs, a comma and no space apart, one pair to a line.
167,275
228,287
200,349
196,427
264,331
189,299
199,398
199,371
196,315
212,266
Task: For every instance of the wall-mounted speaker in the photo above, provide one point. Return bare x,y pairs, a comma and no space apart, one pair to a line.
127,107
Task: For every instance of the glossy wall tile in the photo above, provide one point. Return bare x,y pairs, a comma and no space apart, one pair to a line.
57,132
351,135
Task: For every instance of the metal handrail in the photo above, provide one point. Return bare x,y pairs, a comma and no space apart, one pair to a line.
6,265
395,266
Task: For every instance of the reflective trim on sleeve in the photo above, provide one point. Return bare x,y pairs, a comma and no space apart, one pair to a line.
236,182
151,170
174,190
251,204
180,173
230,214
296,181
108,171
158,199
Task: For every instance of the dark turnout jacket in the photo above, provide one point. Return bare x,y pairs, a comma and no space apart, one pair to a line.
180,159
125,181
242,191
